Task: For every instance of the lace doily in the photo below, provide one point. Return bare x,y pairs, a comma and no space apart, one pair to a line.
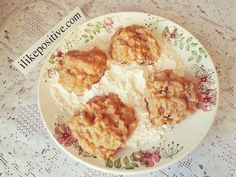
25,147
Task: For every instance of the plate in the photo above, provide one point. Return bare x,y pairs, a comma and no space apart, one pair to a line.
175,144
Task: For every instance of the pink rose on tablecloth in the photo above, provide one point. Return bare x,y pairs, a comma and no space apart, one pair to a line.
147,158
63,134
108,24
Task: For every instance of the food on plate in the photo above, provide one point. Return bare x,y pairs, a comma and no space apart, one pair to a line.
103,125
134,43
172,98
79,70
126,101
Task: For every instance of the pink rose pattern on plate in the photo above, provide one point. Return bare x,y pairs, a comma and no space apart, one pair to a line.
108,24
63,134
146,158
206,81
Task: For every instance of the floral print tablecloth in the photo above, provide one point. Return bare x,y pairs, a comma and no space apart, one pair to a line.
26,148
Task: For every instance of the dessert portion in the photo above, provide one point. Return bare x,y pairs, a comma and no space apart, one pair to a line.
172,98
79,70
103,125
126,100
134,43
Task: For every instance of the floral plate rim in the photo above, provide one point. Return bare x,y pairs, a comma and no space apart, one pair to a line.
138,171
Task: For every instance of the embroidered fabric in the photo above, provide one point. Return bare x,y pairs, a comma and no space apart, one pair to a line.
26,148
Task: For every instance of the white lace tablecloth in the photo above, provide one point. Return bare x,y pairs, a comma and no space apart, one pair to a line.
25,147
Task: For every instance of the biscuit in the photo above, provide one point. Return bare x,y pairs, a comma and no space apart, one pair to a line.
79,70
103,125
172,98
134,43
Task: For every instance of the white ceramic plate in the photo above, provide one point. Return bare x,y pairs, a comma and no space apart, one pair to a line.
176,144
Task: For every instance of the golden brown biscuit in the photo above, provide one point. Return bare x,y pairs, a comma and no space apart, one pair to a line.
172,98
103,125
134,43
79,70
